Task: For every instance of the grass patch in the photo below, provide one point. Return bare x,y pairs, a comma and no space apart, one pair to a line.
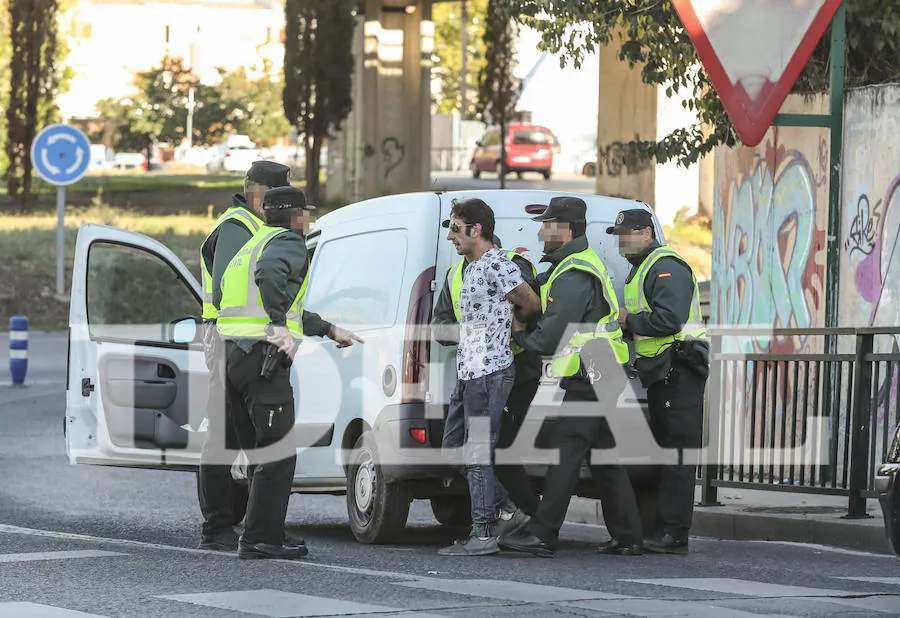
691,237
28,256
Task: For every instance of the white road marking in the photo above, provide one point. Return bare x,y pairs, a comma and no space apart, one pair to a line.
57,555
507,590
655,608
35,610
894,581
279,604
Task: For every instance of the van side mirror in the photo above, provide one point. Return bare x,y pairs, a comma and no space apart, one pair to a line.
185,330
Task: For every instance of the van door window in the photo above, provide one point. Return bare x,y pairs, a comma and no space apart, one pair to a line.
134,294
357,279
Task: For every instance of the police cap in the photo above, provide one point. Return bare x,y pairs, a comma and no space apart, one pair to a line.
270,174
565,209
633,219
281,198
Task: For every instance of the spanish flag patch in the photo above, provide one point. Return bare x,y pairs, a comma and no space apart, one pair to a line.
663,275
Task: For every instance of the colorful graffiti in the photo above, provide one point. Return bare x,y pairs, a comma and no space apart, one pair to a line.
768,249
873,251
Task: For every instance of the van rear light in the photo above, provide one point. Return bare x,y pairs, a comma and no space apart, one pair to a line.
418,435
536,209
417,339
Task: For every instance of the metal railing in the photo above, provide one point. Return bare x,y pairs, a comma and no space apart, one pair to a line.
808,422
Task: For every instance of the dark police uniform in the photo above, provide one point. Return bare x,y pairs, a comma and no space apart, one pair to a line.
261,409
577,297
528,375
220,507
672,356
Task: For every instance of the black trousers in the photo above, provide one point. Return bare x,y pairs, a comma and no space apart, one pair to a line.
575,437
214,482
513,476
262,413
676,420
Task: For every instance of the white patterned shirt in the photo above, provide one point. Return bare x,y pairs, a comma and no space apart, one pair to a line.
486,316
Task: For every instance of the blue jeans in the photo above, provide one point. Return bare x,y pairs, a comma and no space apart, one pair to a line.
473,422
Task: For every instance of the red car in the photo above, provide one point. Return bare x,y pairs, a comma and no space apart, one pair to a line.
529,148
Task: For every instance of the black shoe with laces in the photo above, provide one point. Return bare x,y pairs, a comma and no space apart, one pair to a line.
667,544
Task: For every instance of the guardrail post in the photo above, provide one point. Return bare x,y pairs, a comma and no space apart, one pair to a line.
711,420
861,418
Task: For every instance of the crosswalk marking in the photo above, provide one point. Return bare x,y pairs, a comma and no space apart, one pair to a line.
278,604
57,555
35,610
740,587
503,590
657,608
894,581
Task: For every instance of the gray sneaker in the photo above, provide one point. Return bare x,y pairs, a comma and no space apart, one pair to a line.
472,546
515,523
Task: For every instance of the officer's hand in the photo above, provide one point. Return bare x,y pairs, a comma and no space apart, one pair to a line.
344,338
283,338
623,316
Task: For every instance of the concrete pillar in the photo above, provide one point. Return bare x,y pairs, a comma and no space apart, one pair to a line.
626,111
396,104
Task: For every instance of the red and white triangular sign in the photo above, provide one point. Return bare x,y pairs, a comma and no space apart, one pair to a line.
754,51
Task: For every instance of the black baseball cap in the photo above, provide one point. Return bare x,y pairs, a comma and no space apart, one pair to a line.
633,219
281,198
566,209
270,174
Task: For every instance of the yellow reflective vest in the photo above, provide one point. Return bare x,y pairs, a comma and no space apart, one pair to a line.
636,302
242,313
246,219
455,281
567,361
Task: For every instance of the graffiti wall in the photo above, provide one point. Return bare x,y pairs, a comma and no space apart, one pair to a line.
769,222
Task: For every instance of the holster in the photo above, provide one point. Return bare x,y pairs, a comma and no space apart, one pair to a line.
693,353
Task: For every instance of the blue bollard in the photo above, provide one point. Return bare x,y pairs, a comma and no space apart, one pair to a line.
18,348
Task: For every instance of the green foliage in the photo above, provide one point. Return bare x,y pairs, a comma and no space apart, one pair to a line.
35,78
5,55
318,71
159,110
651,36
448,54
498,88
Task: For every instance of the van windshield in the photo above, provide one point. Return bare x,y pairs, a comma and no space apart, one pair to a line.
530,138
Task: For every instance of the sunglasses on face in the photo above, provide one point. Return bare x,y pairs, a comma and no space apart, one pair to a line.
456,227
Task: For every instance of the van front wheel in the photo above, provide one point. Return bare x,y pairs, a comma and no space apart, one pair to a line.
377,510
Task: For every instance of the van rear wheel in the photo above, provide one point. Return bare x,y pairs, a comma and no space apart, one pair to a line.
377,510
452,510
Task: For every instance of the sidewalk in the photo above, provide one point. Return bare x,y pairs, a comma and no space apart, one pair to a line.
752,515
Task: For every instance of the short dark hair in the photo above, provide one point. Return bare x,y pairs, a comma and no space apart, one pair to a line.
474,211
278,217
579,228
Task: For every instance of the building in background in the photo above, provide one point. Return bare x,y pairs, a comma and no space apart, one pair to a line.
112,40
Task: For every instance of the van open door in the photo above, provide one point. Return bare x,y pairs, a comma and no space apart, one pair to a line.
137,379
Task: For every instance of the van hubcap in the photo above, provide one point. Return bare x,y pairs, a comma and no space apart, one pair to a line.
365,484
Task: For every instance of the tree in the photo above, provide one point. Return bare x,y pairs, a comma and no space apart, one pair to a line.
34,82
498,88
5,56
252,107
318,72
651,34
448,54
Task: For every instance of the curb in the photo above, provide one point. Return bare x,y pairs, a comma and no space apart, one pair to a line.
729,524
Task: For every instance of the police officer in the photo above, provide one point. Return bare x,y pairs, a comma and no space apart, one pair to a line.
662,315
445,323
220,503
262,303
577,290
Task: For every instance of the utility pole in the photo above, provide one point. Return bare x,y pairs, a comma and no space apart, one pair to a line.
463,77
190,117
464,72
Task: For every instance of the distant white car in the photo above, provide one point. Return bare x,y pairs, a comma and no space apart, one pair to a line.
129,160
235,155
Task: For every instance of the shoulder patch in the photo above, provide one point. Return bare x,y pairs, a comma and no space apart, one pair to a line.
663,275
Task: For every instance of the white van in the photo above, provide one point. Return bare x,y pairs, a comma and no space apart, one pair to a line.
137,386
